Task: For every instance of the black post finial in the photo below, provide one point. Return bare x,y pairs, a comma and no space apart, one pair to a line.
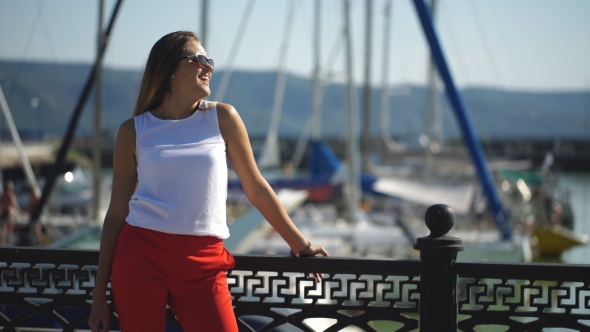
440,218
438,252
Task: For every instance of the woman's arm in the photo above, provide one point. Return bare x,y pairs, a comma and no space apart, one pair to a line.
258,191
14,205
124,183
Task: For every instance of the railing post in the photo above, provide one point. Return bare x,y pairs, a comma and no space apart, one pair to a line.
438,251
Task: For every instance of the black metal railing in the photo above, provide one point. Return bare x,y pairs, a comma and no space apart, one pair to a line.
351,292
526,297
51,288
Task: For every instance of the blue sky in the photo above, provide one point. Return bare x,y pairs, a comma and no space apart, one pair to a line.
522,44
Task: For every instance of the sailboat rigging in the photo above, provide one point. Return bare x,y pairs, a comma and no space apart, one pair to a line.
313,124
353,155
433,123
366,118
67,141
222,88
271,156
483,172
30,175
386,92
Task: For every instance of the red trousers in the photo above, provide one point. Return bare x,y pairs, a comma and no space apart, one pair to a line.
153,269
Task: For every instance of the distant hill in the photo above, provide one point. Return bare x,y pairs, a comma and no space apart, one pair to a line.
495,113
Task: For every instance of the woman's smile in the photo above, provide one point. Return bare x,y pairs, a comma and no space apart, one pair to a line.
205,77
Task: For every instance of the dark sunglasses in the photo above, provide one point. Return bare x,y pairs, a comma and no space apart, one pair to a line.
200,59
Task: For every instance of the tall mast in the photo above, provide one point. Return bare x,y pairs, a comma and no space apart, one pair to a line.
385,73
433,120
73,123
317,84
204,22
31,179
313,125
586,108
352,190
233,53
464,121
97,117
384,131
367,89
386,92
271,156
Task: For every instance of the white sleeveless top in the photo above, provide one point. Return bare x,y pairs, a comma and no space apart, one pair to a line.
182,174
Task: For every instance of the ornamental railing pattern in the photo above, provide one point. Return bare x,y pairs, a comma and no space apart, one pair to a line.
46,288
352,292
524,297
51,289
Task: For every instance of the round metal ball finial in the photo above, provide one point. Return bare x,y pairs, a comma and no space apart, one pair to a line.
439,218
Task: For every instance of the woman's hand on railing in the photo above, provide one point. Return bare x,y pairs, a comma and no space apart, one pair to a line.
99,313
316,250
312,251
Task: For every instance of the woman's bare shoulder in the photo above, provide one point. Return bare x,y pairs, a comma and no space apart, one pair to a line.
230,123
226,112
127,130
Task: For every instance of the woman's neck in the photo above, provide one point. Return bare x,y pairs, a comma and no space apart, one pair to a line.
175,109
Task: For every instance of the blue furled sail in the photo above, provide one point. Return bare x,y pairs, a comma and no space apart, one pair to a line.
465,124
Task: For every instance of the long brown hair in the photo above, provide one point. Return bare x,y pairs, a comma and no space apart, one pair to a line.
160,66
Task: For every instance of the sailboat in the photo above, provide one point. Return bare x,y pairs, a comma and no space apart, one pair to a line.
358,235
543,206
72,196
547,239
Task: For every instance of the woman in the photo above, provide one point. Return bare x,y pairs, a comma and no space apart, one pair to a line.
162,235
8,205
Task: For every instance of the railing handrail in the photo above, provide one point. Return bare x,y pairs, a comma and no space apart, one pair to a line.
36,255
349,265
535,271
